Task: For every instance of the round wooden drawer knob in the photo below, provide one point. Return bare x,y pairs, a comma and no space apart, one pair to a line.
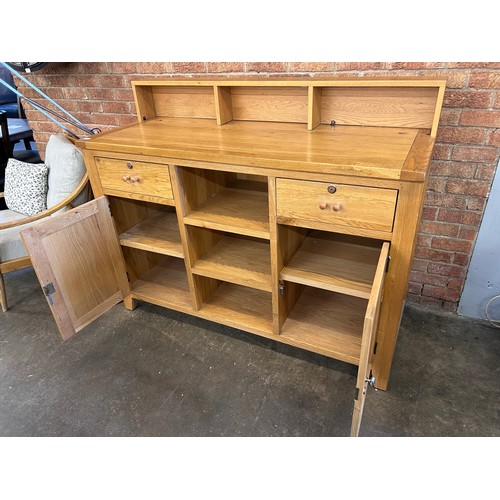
129,165
336,207
322,206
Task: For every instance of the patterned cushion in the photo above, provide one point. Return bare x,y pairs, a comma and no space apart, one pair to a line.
25,188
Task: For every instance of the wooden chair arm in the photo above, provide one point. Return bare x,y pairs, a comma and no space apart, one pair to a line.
52,210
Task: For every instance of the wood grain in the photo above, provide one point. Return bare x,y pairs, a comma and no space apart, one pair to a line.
234,210
135,178
369,208
368,339
346,150
165,285
187,102
336,263
326,323
158,233
378,106
242,261
78,251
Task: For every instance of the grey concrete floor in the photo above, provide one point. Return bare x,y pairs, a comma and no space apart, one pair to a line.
156,372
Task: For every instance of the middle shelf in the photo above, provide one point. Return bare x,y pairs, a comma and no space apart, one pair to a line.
238,259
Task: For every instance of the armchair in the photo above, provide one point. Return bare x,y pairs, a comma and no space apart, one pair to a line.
67,188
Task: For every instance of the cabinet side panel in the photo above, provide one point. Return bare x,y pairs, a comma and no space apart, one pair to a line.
403,242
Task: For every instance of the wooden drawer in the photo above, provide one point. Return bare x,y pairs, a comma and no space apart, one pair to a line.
333,203
136,178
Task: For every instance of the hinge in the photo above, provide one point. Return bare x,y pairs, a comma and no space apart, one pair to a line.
48,290
281,288
375,348
388,261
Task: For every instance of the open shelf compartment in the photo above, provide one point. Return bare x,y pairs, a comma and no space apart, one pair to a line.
159,232
239,307
327,323
165,284
229,257
335,262
226,202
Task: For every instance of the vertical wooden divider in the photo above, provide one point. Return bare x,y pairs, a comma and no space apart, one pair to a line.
273,247
179,185
313,107
223,104
144,102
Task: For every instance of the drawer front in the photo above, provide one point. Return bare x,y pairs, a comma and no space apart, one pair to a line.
339,204
134,177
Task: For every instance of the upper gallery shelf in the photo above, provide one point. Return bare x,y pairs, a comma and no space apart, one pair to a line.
412,103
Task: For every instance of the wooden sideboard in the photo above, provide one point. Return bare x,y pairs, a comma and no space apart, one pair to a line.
286,208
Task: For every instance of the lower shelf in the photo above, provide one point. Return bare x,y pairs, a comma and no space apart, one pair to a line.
240,307
327,323
165,285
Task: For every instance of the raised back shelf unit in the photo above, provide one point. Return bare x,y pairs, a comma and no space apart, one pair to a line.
405,103
285,208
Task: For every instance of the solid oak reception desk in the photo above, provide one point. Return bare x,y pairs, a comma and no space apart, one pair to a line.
285,208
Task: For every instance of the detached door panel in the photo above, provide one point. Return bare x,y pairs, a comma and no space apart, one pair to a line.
78,261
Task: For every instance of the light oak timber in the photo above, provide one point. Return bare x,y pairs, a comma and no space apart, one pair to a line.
352,206
326,323
407,219
366,151
266,104
314,107
234,210
238,174
336,263
134,178
368,339
158,233
144,102
240,171
242,261
81,238
223,104
240,307
399,107
199,288
187,102
165,285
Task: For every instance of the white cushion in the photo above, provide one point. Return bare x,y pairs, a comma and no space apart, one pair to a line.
11,245
66,169
25,188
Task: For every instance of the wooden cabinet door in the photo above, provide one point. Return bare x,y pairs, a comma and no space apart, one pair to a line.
368,339
78,261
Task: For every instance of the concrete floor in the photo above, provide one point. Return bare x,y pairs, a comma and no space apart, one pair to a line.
155,372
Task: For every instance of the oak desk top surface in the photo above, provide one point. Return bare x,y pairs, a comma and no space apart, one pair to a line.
378,152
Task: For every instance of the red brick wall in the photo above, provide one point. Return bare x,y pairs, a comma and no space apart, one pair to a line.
463,166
